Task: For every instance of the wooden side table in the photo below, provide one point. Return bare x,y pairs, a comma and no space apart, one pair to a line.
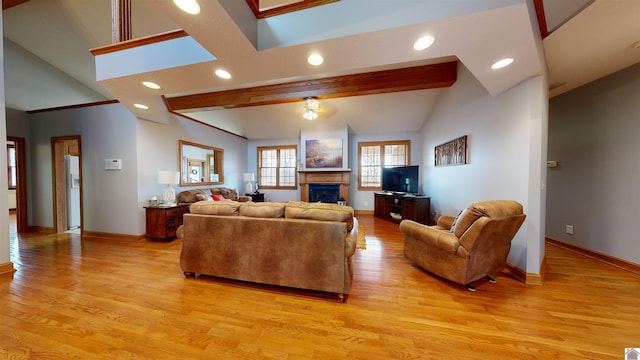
162,222
256,197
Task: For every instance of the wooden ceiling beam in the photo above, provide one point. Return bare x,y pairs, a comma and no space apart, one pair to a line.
377,82
254,5
11,3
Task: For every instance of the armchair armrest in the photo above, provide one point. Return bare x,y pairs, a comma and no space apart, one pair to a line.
445,222
440,239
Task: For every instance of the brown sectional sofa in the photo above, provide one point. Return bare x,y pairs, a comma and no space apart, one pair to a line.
194,195
296,244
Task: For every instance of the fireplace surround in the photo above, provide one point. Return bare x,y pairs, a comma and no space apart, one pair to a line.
325,177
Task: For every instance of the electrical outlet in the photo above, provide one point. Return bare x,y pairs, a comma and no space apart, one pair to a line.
568,229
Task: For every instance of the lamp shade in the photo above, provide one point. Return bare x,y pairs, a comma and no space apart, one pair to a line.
248,176
168,177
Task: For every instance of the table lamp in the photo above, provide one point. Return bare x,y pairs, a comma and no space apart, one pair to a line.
249,178
168,178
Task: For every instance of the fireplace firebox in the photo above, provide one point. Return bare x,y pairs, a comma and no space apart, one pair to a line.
326,193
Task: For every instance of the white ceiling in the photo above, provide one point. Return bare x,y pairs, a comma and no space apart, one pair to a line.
50,39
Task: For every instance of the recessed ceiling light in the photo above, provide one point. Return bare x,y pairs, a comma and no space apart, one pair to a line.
502,63
151,85
424,42
315,59
188,6
141,106
224,74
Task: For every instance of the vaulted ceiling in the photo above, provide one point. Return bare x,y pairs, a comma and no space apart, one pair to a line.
48,63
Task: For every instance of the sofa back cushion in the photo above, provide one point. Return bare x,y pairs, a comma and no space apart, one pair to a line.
191,196
226,192
464,220
224,208
262,210
494,209
320,211
497,209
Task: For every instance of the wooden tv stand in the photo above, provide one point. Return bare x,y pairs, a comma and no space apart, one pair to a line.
411,207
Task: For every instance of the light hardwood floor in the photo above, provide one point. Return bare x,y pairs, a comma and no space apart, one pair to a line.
74,298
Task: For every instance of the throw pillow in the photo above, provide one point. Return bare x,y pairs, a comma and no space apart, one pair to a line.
218,197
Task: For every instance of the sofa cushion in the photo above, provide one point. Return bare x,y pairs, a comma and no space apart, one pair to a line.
320,211
262,210
224,208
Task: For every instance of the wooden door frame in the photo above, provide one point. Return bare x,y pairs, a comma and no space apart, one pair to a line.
22,224
58,177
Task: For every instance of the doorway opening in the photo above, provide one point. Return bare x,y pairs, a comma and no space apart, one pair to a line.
67,183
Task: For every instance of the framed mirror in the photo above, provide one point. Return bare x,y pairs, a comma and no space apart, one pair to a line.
200,164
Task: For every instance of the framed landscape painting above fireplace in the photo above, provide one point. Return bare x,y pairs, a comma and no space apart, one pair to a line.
325,153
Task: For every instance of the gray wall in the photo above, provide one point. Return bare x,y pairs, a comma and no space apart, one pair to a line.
593,134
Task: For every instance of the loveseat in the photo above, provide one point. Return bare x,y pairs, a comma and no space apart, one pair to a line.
194,195
295,244
471,246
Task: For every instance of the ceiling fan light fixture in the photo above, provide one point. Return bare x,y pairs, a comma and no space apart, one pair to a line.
189,6
311,109
423,42
310,115
502,63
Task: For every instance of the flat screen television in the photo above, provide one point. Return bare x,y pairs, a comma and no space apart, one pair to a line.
400,179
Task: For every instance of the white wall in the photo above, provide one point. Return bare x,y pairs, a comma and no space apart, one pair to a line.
111,131
107,132
363,200
593,134
502,131
252,161
4,218
157,147
341,134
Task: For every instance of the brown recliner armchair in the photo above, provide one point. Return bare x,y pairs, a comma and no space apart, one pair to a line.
469,247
